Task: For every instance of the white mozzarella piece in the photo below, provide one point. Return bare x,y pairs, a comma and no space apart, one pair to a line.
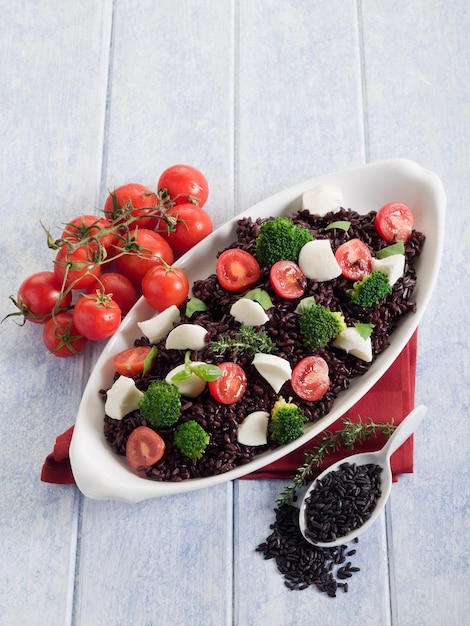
317,260
122,398
248,312
393,266
190,387
158,326
187,337
253,431
274,369
321,200
351,341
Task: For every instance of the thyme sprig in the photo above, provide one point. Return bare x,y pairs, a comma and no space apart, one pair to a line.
246,339
351,434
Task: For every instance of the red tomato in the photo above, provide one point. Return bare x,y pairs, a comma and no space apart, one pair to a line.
96,317
394,222
143,250
192,225
310,378
61,337
354,259
133,200
237,269
86,226
183,184
163,286
144,447
130,362
39,294
230,387
119,287
288,280
77,268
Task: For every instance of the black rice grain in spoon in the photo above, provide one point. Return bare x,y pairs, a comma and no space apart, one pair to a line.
342,501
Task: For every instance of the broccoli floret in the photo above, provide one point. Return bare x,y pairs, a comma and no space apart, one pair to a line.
318,326
370,289
161,404
280,239
286,421
191,439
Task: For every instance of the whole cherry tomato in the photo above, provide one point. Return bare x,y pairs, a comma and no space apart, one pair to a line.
139,252
192,224
133,200
164,286
39,295
119,287
96,317
184,183
77,268
61,337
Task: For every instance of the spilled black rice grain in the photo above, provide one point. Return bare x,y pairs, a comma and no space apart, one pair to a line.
342,501
301,564
224,453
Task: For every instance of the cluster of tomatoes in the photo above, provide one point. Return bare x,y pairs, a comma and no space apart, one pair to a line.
103,264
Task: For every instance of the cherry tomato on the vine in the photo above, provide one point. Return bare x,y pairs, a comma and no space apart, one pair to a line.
184,183
133,200
287,280
144,447
139,252
394,222
310,378
39,295
354,259
237,269
130,362
61,337
231,386
96,317
192,225
119,287
77,268
86,226
164,286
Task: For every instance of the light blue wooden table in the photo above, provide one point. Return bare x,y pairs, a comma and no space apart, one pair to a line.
259,94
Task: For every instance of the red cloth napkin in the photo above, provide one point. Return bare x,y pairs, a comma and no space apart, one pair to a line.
391,397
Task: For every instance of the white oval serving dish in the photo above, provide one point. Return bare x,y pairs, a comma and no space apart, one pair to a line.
101,474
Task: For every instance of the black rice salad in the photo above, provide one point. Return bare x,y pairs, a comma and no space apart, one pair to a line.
221,422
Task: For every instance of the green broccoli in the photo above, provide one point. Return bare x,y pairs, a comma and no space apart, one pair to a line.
318,326
286,421
161,404
370,289
191,438
280,239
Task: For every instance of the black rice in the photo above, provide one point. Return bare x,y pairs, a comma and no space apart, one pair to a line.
301,564
221,421
342,501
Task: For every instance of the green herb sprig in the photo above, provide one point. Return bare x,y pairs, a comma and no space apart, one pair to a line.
247,339
352,433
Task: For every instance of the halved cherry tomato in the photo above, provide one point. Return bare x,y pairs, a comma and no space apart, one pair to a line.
192,225
144,447
96,317
163,286
133,200
130,362
118,286
38,295
237,269
86,226
310,378
77,268
354,259
184,183
143,249
61,337
288,280
394,222
230,387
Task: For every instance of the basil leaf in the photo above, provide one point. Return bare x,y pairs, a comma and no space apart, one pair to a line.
396,248
194,305
206,371
365,330
182,375
304,305
260,296
340,225
149,359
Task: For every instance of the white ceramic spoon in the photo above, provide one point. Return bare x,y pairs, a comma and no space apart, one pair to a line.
382,458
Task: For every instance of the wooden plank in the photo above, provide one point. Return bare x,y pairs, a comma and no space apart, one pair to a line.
53,65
